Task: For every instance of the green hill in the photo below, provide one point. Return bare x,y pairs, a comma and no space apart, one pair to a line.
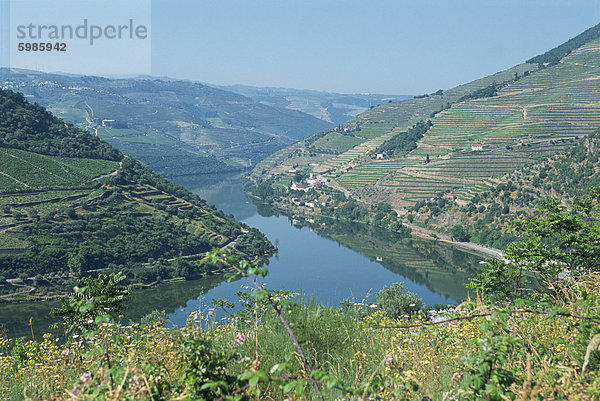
71,205
177,128
483,217
521,116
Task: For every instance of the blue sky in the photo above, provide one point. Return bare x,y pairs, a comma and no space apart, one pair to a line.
372,46
386,46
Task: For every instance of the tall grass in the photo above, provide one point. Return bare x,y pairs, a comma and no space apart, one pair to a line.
474,351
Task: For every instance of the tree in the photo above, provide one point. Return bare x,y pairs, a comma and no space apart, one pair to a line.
395,301
94,298
555,240
459,233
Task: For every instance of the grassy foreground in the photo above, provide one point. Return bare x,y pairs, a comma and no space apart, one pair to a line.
518,341
472,352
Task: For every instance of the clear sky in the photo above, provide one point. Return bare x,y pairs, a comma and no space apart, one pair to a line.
375,46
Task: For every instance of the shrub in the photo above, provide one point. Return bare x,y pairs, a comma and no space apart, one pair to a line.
395,301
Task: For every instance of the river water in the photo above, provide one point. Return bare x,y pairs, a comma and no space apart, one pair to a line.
325,260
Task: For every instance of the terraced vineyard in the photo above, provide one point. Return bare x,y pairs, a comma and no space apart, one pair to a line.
372,127
528,121
66,217
530,118
22,171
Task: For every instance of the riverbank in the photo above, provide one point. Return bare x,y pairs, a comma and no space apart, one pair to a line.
289,209
29,296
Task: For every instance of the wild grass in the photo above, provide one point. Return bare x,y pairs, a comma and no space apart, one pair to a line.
474,351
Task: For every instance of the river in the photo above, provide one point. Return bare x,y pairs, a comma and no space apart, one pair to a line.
325,260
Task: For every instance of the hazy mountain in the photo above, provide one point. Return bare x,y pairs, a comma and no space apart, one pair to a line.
334,108
175,127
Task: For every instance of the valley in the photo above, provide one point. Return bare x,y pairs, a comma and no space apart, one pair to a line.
480,136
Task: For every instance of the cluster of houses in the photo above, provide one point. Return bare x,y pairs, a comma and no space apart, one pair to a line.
311,204
50,84
308,185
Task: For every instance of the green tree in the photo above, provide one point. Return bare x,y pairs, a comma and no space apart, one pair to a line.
555,240
459,233
100,297
395,301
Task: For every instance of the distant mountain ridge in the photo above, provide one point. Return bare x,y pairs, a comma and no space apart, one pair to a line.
175,127
334,108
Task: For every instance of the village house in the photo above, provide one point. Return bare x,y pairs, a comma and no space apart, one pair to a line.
314,182
298,186
294,170
477,147
380,156
312,204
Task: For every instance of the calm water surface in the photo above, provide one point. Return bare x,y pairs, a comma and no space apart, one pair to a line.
327,260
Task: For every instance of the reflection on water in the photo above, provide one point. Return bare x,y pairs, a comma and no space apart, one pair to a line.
329,260
441,268
168,297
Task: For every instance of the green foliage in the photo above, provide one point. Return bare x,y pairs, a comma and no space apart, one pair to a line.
95,299
486,375
395,301
498,280
21,124
254,243
112,234
553,56
489,91
459,233
204,373
553,241
400,144
351,210
155,317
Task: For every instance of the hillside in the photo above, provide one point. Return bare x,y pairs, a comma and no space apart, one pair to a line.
175,127
334,108
71,205
520,116
483,218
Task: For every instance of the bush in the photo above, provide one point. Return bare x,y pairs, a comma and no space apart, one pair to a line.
395,301
459,233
